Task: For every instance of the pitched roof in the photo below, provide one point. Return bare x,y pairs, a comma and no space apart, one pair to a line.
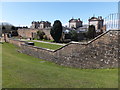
38,22
75,20
95,18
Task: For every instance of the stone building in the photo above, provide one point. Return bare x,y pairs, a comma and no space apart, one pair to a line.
40,25
44,24
84,28
97,22
35,24
75,23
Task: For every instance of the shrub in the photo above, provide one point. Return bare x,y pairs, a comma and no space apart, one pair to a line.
73,35
56,31
91,32
45,37
40,34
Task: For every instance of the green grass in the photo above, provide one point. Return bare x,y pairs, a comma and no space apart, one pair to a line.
44,40
46,45
23,71
0,65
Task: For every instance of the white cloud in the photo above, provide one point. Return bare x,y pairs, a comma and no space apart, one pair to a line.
66,24
23,25
3,21
85,23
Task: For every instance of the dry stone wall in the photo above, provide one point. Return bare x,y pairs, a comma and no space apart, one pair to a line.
99,53
37,52
102,52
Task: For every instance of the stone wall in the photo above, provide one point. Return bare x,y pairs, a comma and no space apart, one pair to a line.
15,42
101,52
28,33
38,52
47,32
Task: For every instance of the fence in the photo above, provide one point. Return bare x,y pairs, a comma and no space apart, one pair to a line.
112,21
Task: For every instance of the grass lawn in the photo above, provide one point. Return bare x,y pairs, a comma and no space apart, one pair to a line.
0,65
45,40
46,45
23,71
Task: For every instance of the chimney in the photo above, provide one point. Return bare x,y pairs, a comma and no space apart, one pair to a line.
99,17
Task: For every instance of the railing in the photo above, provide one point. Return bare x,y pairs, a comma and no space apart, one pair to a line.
112,21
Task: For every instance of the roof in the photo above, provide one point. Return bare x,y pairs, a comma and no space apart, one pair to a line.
75,20
95,18
83,28
40,22
66,28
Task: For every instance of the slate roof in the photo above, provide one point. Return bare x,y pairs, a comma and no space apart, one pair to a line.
75,20
40,22
95,19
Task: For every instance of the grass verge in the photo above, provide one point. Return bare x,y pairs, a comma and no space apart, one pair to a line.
23,71
46,45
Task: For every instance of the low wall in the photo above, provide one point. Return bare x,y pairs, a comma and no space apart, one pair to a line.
13,41
102,52
16,42
38,52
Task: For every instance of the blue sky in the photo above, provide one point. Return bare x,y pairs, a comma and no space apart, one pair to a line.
23,13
